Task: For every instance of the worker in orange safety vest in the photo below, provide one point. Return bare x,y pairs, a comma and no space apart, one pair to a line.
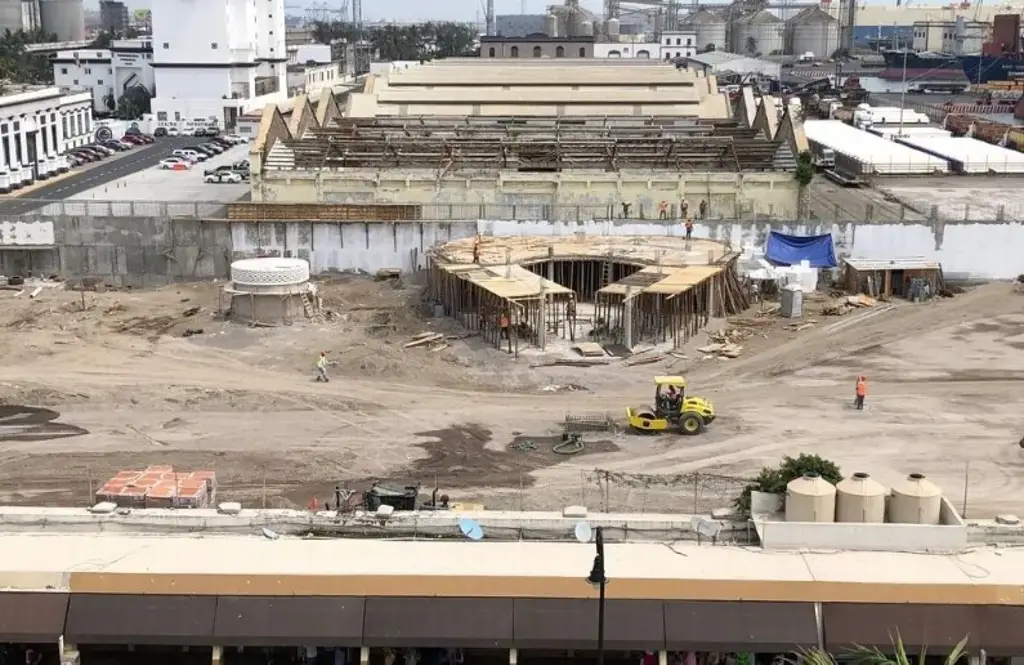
862,392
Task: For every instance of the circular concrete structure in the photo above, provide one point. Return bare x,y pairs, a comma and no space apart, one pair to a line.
635,250
269,272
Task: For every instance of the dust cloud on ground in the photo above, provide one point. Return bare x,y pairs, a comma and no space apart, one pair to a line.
158,377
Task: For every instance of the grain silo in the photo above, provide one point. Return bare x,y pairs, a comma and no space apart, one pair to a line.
761,33
810,498
612,27
814,31
915,500
10,15
551,25
587,29
860,499
64,18
709,28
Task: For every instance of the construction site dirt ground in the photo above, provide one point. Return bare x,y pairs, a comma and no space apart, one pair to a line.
117,386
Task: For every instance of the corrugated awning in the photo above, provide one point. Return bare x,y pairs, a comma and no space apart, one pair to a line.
571,623
469,623
335,621
904,263
739,626
932,627
32,617
141,619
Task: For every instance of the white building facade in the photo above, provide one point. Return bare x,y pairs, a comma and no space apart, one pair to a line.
678,44
214,60
640,50
105,73
37,127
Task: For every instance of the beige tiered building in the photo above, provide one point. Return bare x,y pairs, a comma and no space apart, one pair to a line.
544,139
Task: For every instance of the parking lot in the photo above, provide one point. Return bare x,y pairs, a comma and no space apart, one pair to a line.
156,184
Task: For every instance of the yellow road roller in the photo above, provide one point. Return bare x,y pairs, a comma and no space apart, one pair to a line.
673,409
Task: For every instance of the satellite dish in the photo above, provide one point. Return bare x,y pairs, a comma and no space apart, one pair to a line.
471,529
270,535
583,532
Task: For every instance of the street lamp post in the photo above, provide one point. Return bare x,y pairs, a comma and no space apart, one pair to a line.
598,578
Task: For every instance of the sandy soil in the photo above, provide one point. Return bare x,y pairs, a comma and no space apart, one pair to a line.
117,386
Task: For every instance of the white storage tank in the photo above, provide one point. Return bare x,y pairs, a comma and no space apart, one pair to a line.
915,500
587,28
612,27
813,31
860,499
761,32
709,28
551,25
792,301
810,498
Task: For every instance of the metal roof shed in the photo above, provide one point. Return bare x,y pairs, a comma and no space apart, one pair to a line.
877,155
889,277
968,155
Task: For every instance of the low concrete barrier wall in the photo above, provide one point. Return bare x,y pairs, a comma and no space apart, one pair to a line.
149,251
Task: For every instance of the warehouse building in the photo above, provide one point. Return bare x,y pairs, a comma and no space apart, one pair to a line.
441,150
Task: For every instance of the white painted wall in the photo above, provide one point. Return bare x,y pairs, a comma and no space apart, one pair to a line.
215,50
626,50
36,128
26,234
680,44
85,70
318,53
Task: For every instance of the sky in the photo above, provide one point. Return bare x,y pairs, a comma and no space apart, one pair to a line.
456,10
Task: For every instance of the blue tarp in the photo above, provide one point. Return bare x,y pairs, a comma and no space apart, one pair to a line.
785,250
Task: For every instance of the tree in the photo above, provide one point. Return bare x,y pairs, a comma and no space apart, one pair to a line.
420,41
18,65
804,176
751,45
861,655
133,103
710,48
773,480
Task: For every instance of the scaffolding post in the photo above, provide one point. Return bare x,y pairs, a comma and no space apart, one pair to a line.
542,329
627,319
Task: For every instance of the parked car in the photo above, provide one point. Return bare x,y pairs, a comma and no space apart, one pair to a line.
241,165
190,155
160,131
102,149
222,142
201,131
201,150
134,139
74,160
117,146
214,147
85,155
223,168
173,131
223,177
237,138
174,164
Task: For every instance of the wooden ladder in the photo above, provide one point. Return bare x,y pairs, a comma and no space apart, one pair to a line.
312,314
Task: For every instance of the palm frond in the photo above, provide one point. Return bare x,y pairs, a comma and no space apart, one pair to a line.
815,656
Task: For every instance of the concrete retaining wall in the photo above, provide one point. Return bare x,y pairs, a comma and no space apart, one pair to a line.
149,251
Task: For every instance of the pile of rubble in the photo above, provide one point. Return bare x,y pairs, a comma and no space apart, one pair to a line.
726,343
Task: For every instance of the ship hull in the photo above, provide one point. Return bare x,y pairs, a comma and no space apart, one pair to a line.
989,68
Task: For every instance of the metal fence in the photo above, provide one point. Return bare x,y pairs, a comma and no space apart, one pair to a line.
78,208
846,205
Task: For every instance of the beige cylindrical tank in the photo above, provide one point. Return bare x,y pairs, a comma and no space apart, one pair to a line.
551,25
915,500
587,29
710,29
810,498
612,27
860,499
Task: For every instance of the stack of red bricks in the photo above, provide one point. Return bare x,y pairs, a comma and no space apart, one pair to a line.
160,487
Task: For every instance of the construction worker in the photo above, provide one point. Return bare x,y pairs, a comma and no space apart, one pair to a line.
861,393
702,209
684,208
321,367
476,249
503,323
570,316
663,210
625,210
689,227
